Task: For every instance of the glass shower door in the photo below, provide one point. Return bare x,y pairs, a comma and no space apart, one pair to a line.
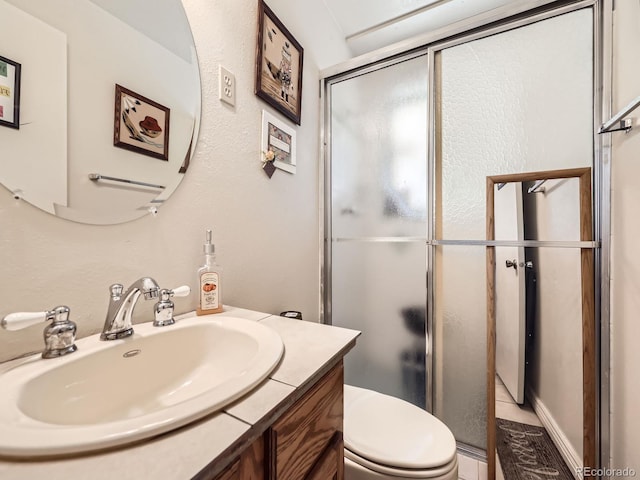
378,202
513,102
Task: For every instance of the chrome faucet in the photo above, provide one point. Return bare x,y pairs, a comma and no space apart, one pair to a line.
59,335
121,305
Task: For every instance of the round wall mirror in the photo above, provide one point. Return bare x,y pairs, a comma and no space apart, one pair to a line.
108,96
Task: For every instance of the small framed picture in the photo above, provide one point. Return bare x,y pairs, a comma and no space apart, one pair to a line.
278,65
141,125
281,140
9,93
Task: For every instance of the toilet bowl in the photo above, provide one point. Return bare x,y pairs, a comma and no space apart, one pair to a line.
386,438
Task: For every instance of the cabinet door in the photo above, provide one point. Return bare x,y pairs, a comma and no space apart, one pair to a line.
301,435
330,465
231,473
249,465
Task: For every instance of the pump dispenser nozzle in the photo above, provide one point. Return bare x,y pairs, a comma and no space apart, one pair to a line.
208,247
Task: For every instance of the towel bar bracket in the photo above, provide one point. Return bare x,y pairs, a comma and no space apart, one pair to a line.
618,118
626,125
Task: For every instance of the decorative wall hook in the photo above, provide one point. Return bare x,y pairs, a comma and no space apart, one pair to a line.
268,158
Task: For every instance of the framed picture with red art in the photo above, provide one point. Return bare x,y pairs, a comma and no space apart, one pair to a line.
140,124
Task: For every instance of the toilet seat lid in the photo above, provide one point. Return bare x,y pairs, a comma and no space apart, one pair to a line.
390,431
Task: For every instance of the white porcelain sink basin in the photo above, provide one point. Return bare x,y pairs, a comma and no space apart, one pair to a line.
115,392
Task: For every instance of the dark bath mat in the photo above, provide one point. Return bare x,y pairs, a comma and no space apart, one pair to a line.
527,452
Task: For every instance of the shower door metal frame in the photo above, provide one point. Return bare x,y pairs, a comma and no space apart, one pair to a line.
490,23
325,175
325,202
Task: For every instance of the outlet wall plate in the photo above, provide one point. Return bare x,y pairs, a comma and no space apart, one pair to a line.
226,86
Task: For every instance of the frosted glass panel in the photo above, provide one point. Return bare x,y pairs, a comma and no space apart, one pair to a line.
460,351
379,152
518,101
380,289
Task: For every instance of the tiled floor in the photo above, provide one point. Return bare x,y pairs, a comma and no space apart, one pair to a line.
507,408
471,469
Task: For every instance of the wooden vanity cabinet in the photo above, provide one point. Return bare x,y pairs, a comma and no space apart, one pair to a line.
304,443
330,465
302,436
248,466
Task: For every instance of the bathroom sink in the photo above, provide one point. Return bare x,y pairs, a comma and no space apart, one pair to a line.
115,392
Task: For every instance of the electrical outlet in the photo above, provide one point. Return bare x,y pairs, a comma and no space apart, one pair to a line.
226,86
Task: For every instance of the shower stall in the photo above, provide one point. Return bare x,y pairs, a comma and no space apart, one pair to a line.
409,141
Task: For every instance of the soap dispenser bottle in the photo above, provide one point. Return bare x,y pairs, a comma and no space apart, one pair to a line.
209,281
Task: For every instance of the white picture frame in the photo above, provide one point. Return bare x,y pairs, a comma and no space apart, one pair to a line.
280,138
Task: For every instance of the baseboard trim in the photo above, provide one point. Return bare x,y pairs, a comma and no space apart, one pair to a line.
560,440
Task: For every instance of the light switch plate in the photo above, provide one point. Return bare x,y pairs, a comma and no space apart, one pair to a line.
226,86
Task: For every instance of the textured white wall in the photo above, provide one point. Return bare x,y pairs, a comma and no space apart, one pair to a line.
266,231
625,261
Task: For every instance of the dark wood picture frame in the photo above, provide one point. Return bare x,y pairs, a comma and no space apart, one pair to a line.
589,392
6,91
278,65
140,124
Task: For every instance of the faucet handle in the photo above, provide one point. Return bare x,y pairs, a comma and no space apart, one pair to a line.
20,320
116,290
163,310
182,291
59,336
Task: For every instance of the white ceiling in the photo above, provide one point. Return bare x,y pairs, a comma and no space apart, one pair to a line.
371,24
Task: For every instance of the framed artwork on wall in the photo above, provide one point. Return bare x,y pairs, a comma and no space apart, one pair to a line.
278,65
10,93
280,139
140,125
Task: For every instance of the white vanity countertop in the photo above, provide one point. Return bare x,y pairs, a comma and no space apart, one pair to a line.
310,348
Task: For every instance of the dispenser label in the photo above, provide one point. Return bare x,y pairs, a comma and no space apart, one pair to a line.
209,293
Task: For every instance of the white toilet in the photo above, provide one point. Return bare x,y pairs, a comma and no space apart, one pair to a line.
386,438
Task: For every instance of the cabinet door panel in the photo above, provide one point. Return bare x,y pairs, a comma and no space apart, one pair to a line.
249,465
330,466
252,465
231,473
303,433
